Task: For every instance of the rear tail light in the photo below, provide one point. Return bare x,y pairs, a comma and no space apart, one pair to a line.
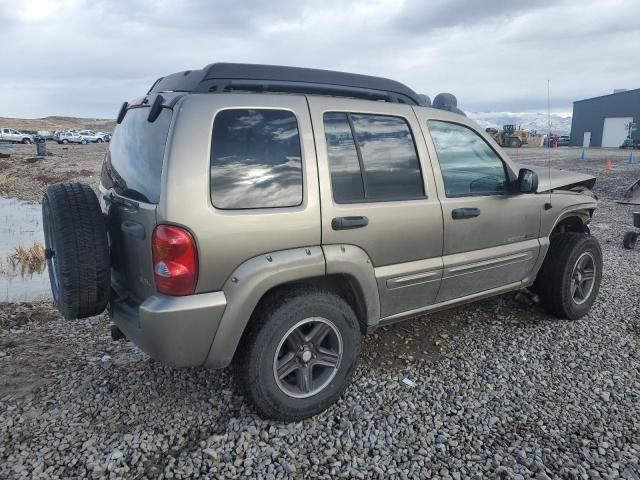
175,260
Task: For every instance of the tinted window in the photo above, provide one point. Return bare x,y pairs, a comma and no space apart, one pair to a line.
380,165
133,166
346,178
468,165
256,160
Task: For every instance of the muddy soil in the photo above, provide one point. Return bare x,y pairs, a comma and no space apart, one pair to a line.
25,176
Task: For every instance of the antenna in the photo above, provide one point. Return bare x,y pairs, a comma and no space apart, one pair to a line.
548,206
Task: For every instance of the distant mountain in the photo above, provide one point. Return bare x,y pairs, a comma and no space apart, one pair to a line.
560,124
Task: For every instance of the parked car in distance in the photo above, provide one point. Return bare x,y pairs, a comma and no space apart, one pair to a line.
564,140
106,136
71,137
272,231
92,136
12,135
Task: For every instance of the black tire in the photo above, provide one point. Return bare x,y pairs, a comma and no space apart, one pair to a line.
254,364
65,141
26,141
555,280
99,140
77,250
629,240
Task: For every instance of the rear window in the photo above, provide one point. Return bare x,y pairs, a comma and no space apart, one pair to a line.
256,160
133,167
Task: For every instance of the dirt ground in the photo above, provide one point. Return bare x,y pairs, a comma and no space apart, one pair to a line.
24,175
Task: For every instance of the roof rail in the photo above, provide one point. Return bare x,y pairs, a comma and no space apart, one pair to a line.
229,77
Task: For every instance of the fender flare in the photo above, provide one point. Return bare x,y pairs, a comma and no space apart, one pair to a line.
255,277
580,211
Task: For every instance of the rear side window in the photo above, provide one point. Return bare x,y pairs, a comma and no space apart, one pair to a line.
256,159
469,166
133,167
372,158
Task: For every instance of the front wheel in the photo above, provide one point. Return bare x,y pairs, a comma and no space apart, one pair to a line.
65,141
569,280
26,141
299,355
99,140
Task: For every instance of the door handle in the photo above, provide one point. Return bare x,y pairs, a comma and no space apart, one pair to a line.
348,223
460,213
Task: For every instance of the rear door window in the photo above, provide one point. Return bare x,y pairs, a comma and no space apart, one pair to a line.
372,158
256,159
133,167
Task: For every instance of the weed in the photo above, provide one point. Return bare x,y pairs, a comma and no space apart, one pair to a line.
4,186
31,260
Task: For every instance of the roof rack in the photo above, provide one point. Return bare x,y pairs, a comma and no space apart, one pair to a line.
229,77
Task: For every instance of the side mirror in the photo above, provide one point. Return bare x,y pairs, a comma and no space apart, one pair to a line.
527,181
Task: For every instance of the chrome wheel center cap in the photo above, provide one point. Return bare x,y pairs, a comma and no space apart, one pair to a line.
306,356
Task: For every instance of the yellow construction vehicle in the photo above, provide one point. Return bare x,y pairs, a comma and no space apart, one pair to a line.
509,136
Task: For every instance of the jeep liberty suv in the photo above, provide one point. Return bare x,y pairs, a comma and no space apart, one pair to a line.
268,217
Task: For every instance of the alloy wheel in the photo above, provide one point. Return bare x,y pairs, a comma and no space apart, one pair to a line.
308,357
583,278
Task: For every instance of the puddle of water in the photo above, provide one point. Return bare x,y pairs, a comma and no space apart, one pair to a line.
20,224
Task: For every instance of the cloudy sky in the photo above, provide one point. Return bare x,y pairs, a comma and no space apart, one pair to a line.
77,57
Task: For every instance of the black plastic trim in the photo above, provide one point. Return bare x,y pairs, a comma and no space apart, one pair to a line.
122,112
227,77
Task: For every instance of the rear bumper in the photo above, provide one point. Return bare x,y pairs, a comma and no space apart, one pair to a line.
176,331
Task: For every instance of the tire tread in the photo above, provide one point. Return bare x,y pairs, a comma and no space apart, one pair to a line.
82,249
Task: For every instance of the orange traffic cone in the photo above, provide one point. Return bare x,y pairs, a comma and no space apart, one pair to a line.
609,166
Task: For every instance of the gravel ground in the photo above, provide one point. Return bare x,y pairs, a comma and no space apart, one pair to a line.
502,390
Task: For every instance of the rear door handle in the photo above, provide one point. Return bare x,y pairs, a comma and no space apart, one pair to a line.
460,213
348,223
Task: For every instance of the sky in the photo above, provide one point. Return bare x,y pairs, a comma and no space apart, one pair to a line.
84,58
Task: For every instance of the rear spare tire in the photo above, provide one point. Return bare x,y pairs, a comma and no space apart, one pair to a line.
77,250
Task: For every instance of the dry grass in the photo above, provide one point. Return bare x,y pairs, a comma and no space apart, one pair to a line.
47,178
30,260
4,186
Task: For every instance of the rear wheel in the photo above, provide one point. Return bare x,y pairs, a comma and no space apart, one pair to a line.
629,240
77,250
299,355
569,280
65,141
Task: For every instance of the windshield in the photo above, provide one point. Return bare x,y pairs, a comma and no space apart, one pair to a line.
133,166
